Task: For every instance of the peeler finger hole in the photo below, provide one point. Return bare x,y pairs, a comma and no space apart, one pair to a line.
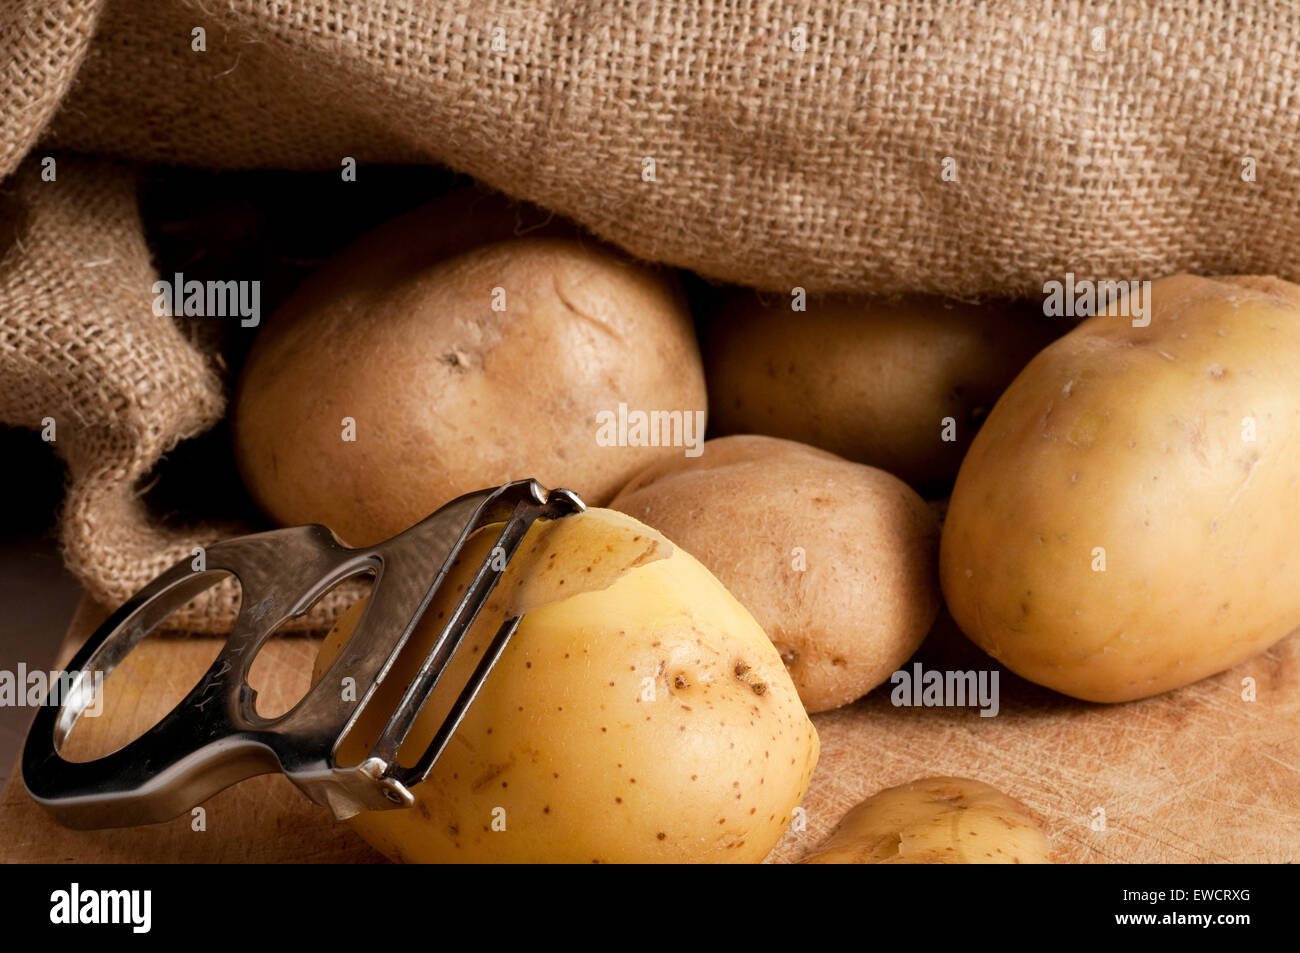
128,700
281,673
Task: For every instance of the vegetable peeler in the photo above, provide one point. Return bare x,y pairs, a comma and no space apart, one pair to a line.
214,737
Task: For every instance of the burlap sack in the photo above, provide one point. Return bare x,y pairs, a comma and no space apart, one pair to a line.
956,148
41,47
84,359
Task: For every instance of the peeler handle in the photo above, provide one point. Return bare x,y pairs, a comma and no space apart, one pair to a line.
214,737
207,741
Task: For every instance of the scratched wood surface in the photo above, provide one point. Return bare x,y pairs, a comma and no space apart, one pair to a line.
1195,775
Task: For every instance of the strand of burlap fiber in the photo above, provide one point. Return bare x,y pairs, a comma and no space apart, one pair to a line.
81,346
795,142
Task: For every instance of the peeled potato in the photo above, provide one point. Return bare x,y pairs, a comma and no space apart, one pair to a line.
639,714
1124,523
880,381
368,407
936,821
837,561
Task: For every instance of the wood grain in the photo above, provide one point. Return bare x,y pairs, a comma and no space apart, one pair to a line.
1196,775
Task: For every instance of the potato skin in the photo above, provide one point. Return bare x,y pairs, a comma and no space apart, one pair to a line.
564,736
870,379
869,591
449,396
401,248
1130,441
936,821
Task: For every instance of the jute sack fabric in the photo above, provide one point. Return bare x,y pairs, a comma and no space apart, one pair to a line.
959,148
84,359
795,142
41,48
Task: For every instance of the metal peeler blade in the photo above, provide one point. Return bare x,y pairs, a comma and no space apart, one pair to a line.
214,737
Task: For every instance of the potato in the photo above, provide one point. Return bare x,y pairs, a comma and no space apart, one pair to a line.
399,249
837,561
1124,522
367,410
639,714
936,821
875,380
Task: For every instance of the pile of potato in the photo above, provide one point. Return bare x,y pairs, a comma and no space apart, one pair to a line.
1116,524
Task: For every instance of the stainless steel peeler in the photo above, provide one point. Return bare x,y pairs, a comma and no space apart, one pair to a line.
214,737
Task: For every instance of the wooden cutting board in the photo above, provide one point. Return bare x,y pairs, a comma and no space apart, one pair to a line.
1196,775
